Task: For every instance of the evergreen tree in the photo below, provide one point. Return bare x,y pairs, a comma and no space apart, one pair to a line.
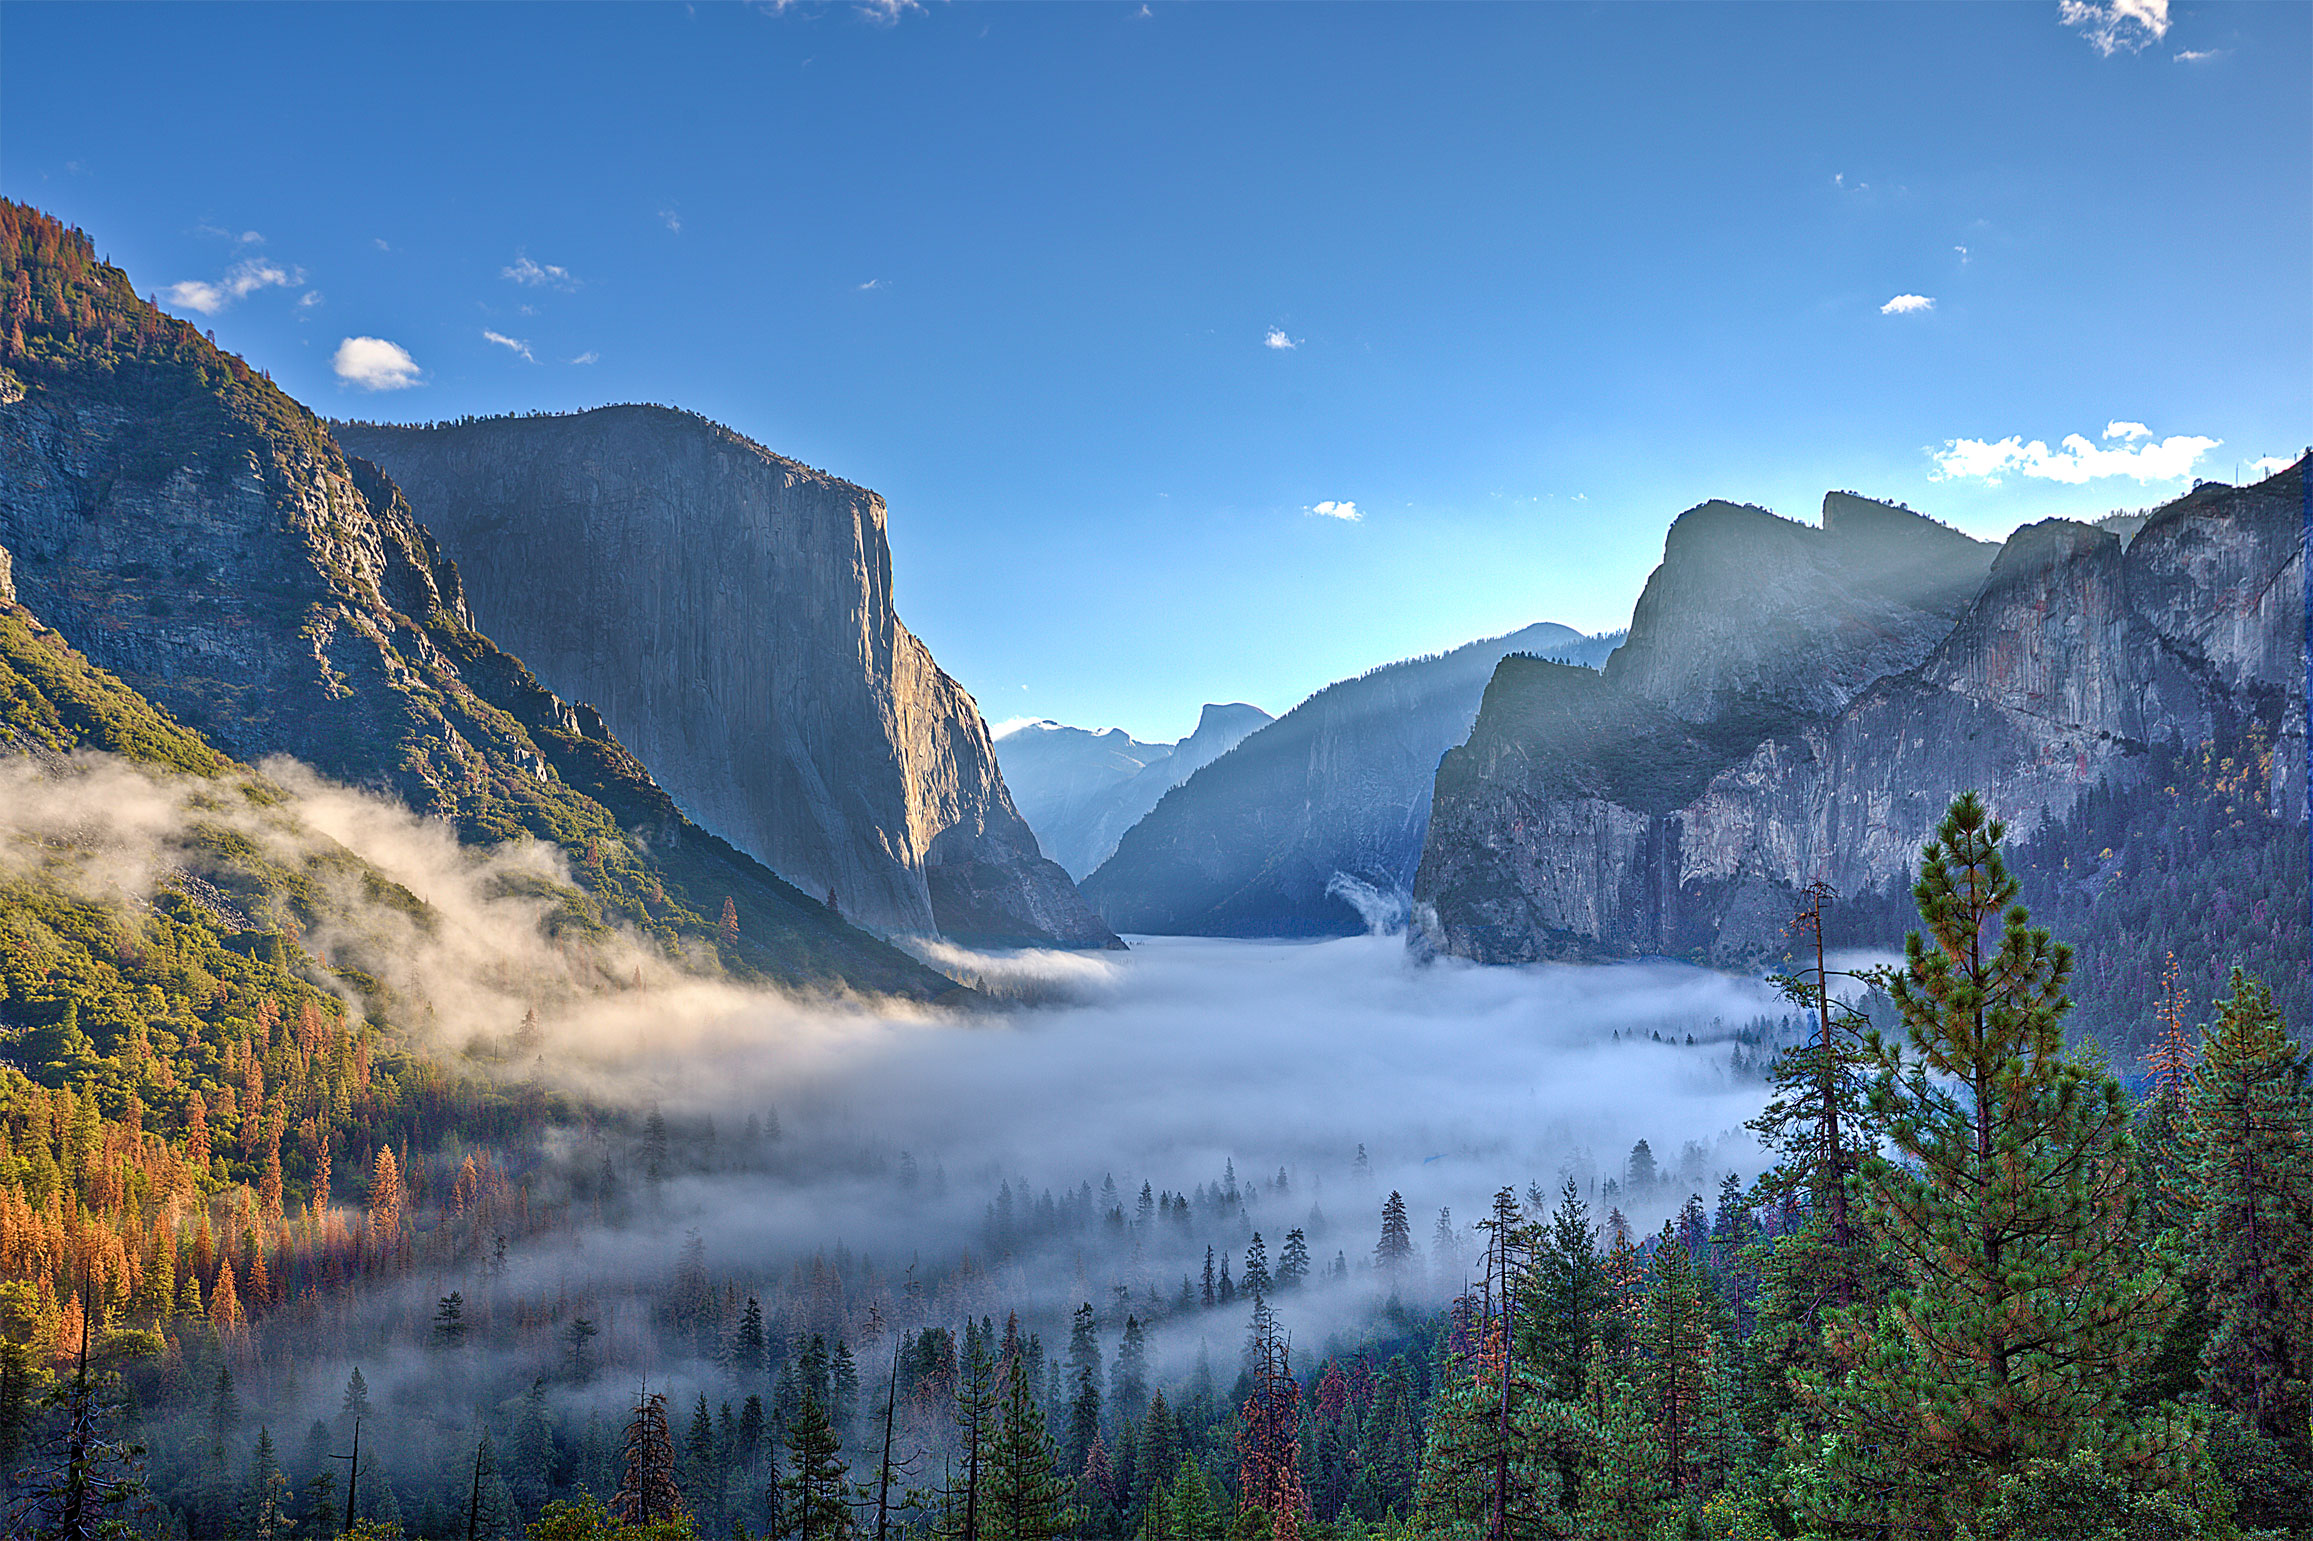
750,1346
647,1492
2248,1143
266,1502
532,1457
2011,1209
1028,1500
813,1495
1394,1252
1084,1383
1293,1261
1256,1281
1674,1348
1128,1378
1566,1288
702,1472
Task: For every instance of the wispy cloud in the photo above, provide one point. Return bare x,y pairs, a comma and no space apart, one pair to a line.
241,280
1963,251
588,357
309,299
672,220
2077,460
2201,55
513,345
1332,510
2116,26
374,364
538,275
2268,465
1275,338
873,283
1907,305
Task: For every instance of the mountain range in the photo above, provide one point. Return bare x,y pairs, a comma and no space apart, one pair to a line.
204,539
1082,788
1313,825
1797,705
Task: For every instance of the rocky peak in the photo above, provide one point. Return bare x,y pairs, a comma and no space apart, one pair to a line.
1753,614
729,612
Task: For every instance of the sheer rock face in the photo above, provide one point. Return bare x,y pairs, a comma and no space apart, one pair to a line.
1585,817
729,613
1754,611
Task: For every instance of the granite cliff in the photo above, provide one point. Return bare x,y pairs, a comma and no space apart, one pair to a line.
197,533
729,613
1311,826
1081,789
1674,805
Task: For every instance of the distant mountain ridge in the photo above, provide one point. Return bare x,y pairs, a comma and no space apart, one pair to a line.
729,612
1081,789
1314,822
1798,706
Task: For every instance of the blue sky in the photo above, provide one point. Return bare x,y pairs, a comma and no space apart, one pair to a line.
1109,300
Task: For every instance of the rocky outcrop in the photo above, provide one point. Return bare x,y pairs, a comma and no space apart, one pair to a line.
1585,815
199,534
729,613
1081,789
1313,825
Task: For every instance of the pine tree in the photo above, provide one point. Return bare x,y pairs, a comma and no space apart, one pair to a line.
1028,1500
1674,1343
812,1495
265,1507
1566,1286
1256,1281
1293,1261
1084,1380
2011,1209
750,1346
2248,1142
1268,1441
1394,1252
1128,1379
647,1492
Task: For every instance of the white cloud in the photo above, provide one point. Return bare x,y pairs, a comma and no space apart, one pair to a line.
538,275
2268,465
1342,510
380,243
1963,251
241,280
2116,26
2077,460
1276,338
374,364
1907,305
514,345
309,299
2200,55
873,283
672,220
588,357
